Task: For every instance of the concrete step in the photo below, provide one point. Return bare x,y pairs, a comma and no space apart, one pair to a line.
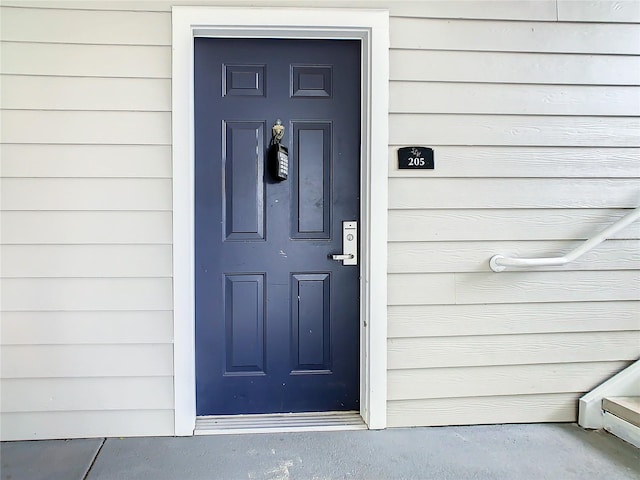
622,418
626,408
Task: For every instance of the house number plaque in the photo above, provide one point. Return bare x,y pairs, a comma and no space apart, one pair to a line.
410,158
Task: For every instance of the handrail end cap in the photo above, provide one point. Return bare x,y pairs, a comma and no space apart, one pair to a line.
493,263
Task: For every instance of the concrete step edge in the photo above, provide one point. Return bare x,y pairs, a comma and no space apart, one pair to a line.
626,408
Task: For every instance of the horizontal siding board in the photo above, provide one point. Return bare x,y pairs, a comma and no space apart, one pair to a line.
515,224
560,407
471,351
539,37
78,394
412,321
22,92
61,26
85,261
418,384
86,194
86,327
525,162
524,130
489,98
135,128
69,294
599,11
484,9
516,287
487,9
114,423
58,361
86,161
422,289
85,60
424,193
433,257
499,67
48,227
512,287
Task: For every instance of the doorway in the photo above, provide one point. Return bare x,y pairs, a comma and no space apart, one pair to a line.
371,28
277,317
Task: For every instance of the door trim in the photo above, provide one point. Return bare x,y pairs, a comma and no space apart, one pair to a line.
371,27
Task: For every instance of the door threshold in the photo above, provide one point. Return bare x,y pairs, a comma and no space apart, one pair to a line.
279,423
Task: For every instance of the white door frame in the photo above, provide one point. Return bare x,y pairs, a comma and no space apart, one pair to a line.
371,27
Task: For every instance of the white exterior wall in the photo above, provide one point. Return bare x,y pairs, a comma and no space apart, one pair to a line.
534,126
532,109
87,324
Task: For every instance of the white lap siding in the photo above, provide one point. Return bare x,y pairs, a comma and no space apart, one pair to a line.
532,110
87,321
536,133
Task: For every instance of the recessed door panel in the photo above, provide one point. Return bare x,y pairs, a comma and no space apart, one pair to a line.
243,164
311,182
311,80
243,80
277,319
244,324
311,339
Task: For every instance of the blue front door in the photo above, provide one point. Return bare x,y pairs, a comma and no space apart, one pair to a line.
277,320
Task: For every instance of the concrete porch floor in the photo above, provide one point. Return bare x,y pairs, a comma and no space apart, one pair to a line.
510,452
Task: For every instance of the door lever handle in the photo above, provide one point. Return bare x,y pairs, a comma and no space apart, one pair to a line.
347,256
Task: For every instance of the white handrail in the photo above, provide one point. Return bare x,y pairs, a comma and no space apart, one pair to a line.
499,262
